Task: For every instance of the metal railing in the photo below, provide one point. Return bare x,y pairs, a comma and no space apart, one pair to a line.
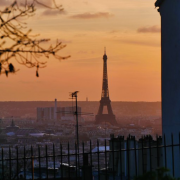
118,158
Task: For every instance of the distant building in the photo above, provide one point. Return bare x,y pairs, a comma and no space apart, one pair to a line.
56,113
14,130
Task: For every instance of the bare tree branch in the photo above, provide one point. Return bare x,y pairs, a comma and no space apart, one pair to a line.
20,45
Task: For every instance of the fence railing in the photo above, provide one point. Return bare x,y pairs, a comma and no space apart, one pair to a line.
115,159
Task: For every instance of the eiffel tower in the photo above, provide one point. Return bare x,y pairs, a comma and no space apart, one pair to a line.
105,101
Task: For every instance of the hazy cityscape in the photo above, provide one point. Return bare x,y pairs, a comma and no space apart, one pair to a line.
29,128
135,118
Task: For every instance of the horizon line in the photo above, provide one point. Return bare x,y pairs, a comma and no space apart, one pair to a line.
71,101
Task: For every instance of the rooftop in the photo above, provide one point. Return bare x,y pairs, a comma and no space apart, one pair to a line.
100,149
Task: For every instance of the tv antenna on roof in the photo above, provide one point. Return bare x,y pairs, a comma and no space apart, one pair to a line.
73,95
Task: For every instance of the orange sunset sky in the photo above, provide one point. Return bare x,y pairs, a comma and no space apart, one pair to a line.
130,30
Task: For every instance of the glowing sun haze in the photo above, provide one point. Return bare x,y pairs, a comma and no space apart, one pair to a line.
130,30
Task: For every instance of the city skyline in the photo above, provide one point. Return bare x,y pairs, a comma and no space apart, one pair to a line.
129,30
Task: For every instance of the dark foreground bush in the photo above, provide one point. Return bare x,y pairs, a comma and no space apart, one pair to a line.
159,174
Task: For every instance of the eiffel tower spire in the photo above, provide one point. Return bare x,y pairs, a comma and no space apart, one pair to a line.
105,90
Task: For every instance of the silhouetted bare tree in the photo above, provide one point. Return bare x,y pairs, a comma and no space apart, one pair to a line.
17,43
